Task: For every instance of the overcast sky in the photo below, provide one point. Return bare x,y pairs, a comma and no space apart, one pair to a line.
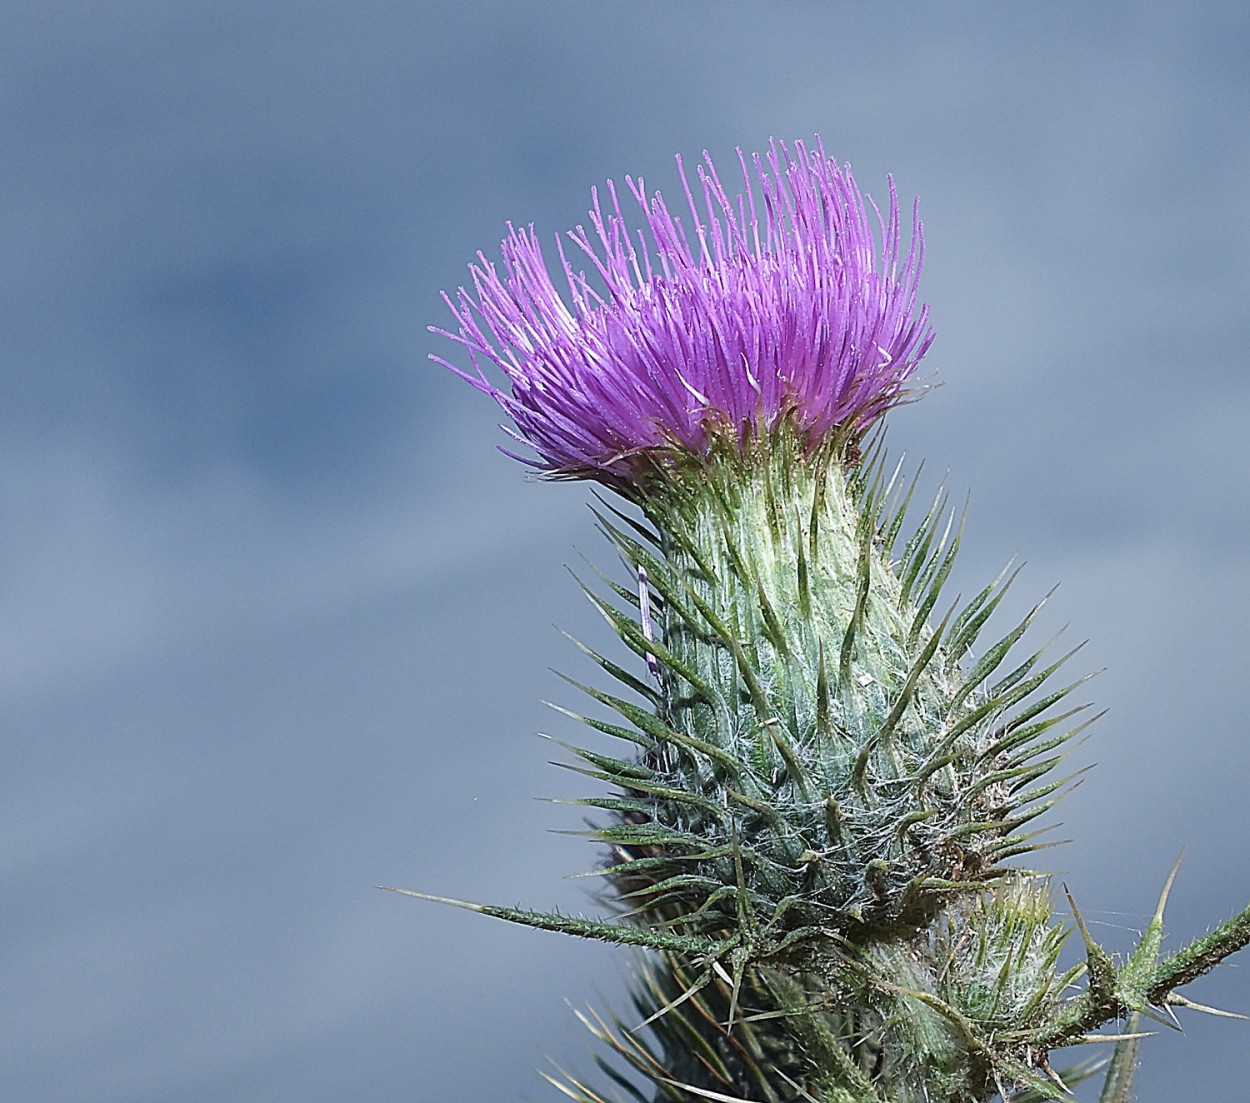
277,617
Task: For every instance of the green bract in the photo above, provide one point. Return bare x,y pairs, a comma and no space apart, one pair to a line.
819,758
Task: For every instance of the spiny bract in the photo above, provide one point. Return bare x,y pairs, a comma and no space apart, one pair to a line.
818,758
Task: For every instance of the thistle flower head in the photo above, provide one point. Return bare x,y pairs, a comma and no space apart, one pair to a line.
763,311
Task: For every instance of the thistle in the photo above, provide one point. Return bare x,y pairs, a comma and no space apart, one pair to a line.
826,771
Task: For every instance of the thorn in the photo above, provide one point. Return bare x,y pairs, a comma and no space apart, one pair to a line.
693,990
1180,1001
998,1083
1049,1071
435,899
803,1093
1099,966
1171,1022
703,1093
1167,888
1145,957
1076,916
1112,1038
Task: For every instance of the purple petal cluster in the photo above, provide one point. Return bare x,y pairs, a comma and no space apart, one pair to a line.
689,330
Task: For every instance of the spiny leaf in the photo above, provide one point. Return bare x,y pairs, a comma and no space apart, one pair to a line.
1018,774
866,483
664,793
608,804
1145,957
732,766
940,755
584,928
684,881
1099,967
1014,845
1031,751
762,808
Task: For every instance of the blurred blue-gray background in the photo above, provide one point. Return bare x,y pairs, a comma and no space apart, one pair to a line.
277,618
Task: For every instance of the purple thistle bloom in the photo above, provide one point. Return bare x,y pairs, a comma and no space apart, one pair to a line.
771,309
